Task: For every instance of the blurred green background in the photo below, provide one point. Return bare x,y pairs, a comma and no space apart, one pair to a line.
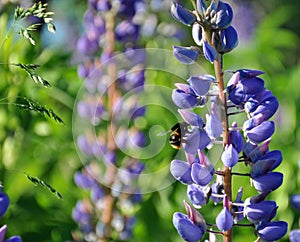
269,40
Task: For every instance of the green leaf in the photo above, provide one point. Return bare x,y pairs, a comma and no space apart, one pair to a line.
33,106
36,181
29,68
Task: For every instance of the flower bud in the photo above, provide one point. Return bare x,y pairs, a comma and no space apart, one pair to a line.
230,156
185,55
224,220
226,40
182,14
197,34
209,52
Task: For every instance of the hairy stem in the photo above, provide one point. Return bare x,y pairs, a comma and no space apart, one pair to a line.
112,95
227,236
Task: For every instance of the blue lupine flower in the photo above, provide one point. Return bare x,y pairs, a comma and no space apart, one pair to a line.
181,171
223,15
235,138
185,55
263,211
196,195
295,235
261,132
191,118
182,15
201,83
213,125
127,31
226,40
184,99
83,180
201,174
268,182
272,231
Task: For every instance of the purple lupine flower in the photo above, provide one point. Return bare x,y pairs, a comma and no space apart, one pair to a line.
181,171
185,55
226,40
197,33
192,226
261,132
196,195
217,191
223,16
263,211
182,14
235,138
83,180
201,174
272,231
295,235
224,219
201,83
268,182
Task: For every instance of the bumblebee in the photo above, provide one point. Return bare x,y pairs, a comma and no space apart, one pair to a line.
178,131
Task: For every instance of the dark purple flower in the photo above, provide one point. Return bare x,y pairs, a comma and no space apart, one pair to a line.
97,193
237,95
255,152
268,182
235,138
201,6
261,132
230,156
181,171
295,201
266,108
186,55
223,16
263,211
226,40
182,14
272,231
103,5
196,195
209,52
295,235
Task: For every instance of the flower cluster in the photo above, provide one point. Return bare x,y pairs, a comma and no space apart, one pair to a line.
4,203
249,144
112,67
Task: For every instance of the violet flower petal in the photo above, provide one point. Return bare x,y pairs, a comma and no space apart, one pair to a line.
200,174
268,182
201,83
261,132
273,231
230,156
186,55
181,171
182,14
183,99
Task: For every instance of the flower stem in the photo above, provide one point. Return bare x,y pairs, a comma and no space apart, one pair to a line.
112,95
227,236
